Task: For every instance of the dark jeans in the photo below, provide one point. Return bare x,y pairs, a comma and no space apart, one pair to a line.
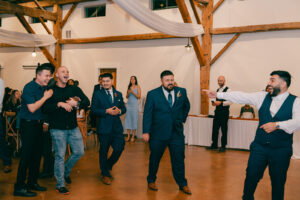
31,138
117,142
47,154
4,152
220,120
177,149
261,156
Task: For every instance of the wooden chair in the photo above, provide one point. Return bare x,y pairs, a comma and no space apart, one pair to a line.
10,120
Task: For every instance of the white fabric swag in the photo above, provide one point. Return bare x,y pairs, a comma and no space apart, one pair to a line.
158,23
25,39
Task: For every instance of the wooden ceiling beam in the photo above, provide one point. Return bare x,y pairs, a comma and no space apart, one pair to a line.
192,2
148,36
68,14
10,8
30,30
195,41
256,28
217,5
233,39
50,3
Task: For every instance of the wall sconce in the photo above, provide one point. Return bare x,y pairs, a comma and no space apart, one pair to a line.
33,53
188,46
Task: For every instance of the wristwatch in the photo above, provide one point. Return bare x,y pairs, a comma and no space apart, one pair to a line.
277,125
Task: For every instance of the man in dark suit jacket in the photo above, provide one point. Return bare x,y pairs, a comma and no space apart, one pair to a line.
166,110
99,85
108,106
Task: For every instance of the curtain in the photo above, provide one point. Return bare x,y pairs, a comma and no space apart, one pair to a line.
158,23
25,39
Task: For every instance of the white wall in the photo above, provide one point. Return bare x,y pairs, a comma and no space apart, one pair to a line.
246,64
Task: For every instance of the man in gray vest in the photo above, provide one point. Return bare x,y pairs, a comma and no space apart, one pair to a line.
279,117
221,117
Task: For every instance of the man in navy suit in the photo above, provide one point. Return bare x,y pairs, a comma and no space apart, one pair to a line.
166,110
108,106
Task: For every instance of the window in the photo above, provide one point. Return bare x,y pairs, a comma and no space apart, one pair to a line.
97,11
163,4
35,20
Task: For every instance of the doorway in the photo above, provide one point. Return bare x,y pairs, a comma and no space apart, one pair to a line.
113,72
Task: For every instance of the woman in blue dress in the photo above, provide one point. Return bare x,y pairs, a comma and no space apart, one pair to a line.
132,113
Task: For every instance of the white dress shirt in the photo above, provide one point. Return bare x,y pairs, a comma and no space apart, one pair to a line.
166,93
257,98
225,103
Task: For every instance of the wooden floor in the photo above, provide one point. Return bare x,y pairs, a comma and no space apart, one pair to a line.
211,176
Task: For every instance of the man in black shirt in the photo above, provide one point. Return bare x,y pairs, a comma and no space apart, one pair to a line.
31,130
61,110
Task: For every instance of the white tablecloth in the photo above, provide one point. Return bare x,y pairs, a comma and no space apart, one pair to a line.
198,131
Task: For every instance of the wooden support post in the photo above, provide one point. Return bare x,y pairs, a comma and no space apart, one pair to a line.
57,32
234,38
30,30
68,14
192,2
195,41
207,22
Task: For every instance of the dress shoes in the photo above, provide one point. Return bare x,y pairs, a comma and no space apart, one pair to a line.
37,187
222,149
212,148
186,190
24,193
7,169
106,180
152,186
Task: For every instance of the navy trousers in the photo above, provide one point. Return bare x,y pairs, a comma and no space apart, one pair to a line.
261,156
117,142
176,149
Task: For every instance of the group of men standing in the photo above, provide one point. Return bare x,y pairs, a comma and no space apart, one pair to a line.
166,110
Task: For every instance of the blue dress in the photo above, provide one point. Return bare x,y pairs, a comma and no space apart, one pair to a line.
132,113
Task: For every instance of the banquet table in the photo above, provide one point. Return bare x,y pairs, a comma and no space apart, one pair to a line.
241,132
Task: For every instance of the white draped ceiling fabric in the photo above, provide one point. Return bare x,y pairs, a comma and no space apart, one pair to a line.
25,39
158,23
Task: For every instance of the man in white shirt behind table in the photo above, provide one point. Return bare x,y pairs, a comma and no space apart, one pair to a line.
279,117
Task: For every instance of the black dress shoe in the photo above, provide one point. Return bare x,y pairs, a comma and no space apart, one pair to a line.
68,179
24,193
211,148
222,149
37,187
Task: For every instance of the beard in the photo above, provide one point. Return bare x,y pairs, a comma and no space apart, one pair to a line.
276,91
169,88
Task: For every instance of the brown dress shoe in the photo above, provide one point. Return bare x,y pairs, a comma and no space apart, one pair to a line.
152,186
7,169
106,180
186,190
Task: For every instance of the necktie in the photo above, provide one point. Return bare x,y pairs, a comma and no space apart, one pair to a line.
109,96
170,99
